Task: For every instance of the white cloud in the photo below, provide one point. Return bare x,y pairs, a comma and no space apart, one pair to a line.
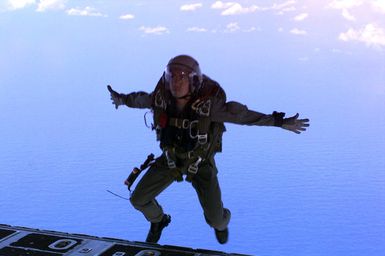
345,4
238,9
222,5
371,35
127,17
196,29
288,5
296,31
280,29
50,4
159,30
379,6
347,15
233,8
19,4
191,7
87,11
232,27
301,17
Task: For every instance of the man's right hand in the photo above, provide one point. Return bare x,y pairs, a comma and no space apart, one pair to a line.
115,97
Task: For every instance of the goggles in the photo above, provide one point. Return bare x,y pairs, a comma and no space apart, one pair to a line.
178,74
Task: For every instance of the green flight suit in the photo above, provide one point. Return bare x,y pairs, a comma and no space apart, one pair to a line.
205,181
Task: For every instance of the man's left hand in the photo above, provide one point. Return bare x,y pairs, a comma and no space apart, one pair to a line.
115,97
294,124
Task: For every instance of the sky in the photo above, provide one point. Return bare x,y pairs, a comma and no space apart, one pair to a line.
52,48
352,20
64,34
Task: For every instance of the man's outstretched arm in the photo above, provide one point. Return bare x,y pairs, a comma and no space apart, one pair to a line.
132,100
235,112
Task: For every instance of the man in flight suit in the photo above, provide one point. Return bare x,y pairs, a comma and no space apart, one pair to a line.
189,111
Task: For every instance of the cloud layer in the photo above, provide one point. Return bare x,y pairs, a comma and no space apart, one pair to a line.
372,35
353,20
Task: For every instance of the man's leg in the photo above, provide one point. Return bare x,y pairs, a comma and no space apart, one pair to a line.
207,187
154,181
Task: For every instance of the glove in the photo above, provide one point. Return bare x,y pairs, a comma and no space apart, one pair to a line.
115,97
294,124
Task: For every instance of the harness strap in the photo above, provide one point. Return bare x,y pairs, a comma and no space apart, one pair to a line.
175,171
203,130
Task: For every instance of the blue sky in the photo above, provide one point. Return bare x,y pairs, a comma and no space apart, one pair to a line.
304,49
345,20
59,34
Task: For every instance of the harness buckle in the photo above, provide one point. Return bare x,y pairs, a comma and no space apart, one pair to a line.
171,163
193,168
159,101
196,104
185,123
204,109
190,154
192,124
202,138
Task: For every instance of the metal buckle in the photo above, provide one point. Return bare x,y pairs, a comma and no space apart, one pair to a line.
204,109
159,101
192,123
171,164
185,123
196,105
190,154
193,168
202,138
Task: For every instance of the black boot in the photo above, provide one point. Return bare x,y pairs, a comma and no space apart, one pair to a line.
222,235
156,229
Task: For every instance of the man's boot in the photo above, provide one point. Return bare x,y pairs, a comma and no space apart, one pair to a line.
222,235
156,229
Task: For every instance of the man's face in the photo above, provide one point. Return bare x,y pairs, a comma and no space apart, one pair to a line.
179,83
